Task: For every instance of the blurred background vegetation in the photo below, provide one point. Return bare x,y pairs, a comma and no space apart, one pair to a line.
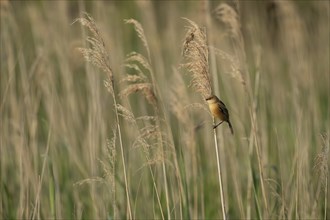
60,152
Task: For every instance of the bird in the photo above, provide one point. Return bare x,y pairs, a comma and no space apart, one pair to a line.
219,110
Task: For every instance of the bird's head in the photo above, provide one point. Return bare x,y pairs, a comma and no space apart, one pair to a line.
211,99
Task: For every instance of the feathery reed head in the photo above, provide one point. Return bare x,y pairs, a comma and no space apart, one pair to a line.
145,88
139,80
321,160
229,18
97,53
195,52
139,30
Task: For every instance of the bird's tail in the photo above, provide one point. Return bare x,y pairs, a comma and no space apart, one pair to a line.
231,127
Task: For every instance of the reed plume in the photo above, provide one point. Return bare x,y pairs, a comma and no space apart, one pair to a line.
96,53
139,81
146,84
98,56
230,18
196,54
321,167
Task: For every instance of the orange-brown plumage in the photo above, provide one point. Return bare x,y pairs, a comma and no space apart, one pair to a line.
219,110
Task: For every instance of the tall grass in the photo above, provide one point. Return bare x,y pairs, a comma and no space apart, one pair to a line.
136,142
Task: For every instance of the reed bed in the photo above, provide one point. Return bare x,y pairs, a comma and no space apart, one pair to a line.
103,111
